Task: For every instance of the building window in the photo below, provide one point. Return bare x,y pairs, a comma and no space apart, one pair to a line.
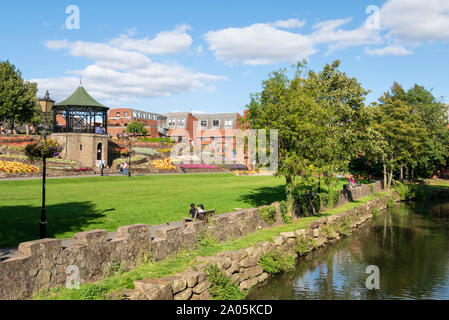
126,114
181,122
134,115
228,123
117,114
216,123
171,122
204,123
81,147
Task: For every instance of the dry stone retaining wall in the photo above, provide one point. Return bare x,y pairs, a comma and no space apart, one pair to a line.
242,265
42,264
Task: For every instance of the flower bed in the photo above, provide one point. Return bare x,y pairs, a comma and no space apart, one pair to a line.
163,164
199,166
17,167
244,173
146,151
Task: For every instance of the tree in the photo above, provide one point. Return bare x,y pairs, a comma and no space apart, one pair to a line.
137,128
400,129
434,117
319,117
17,97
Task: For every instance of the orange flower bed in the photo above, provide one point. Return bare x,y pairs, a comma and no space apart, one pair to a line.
17,167
163,164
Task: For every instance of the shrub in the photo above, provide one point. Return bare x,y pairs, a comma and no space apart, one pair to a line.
284,212
268,214
146,151
222,287
48,148
303,246
159,140
276,262
206,240
406,191
93,292
345,226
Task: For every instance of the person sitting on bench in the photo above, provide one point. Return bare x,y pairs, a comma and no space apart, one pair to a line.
192,213
200,212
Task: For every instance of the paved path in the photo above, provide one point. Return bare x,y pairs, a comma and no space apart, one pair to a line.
9,252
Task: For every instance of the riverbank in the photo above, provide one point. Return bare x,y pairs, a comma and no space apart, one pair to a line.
120,281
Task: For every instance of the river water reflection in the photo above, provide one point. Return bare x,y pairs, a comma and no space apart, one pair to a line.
409,243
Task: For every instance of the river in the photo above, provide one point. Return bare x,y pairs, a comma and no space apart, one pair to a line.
409,243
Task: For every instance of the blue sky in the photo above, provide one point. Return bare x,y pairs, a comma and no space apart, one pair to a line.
164,56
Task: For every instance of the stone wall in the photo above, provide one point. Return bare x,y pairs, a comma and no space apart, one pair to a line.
242,265
82,147
42,264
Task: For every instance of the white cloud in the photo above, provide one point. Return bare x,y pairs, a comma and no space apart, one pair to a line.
258,44
166,42
289,24
393,50
199,49
329,32
119,75
102,53
416,20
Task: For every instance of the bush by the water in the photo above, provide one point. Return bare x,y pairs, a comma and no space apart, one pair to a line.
222,287
276,262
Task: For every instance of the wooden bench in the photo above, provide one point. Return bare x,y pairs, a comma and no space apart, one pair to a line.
204,216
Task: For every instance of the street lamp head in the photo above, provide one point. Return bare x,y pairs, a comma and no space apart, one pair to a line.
46,103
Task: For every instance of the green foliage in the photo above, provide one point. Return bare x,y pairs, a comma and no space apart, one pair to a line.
277,261
303,246
222,287
160,140
137,128
375,212
320,118
206,240
268,214
146,151
406,191
17,97
48,148
345,227
284,212
93,292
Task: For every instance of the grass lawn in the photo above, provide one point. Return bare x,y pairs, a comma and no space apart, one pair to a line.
82,204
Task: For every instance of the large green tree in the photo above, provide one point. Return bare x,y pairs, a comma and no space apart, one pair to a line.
400,128
319,117
137,128
17,96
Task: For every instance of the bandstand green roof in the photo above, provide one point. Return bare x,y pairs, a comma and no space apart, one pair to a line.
81,99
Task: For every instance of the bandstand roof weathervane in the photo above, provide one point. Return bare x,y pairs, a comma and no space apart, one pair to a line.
79,112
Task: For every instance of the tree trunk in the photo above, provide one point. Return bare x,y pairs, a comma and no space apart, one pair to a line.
406,173
12,126
390,178
401,177
27,129
289,188
385,174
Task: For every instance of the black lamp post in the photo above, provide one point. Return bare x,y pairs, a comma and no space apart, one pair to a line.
46,106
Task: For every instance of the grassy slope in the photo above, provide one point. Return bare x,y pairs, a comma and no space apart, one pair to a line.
178,263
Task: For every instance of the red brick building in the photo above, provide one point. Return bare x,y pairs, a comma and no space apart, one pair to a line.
119,118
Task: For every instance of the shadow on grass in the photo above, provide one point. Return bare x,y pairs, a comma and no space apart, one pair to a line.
21,223
264,196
